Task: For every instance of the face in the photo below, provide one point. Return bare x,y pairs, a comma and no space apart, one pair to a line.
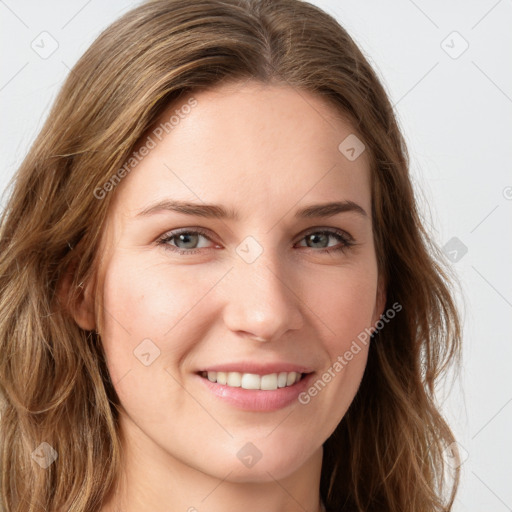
198,306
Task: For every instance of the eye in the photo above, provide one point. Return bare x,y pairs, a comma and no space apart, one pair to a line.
322,237
185,241
187,237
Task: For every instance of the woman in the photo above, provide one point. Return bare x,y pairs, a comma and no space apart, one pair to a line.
172,336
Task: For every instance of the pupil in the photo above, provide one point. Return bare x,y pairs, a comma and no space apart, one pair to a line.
314,237
184,236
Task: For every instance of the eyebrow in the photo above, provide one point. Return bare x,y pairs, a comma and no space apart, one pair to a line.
214,211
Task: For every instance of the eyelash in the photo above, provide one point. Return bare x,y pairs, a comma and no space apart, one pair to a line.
346,241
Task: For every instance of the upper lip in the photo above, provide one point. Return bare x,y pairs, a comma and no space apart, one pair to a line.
256,368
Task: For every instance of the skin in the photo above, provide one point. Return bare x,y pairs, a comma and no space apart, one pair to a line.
264,151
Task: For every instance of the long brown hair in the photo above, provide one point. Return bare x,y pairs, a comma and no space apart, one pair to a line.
387,452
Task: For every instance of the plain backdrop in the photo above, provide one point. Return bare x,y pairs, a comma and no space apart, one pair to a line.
447,67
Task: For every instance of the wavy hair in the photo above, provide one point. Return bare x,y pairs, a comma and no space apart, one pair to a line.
386,454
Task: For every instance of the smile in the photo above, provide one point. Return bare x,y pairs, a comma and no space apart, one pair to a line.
269,382
255,392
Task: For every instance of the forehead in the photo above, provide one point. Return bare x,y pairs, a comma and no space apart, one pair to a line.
249,146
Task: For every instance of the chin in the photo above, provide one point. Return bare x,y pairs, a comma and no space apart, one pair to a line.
272,462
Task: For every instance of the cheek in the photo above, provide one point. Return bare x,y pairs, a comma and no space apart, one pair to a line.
344,301
150,325
151,297
345,310
149,302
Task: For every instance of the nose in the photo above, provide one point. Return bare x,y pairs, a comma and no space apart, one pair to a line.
261,302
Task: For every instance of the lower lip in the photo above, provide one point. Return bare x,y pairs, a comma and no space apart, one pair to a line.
257,399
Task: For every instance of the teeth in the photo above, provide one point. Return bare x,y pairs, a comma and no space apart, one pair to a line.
291,378
282,379
268,382
234,379
251,381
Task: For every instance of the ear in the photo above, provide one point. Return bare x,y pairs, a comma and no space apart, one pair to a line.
80,307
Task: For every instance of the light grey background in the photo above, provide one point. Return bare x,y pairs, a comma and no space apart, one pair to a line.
456,114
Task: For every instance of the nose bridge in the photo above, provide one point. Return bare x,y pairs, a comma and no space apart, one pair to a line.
261,300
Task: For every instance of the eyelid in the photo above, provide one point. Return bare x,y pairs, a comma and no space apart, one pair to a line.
327,229
205,232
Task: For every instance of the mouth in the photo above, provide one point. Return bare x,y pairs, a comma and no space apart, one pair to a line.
255,386
254,381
